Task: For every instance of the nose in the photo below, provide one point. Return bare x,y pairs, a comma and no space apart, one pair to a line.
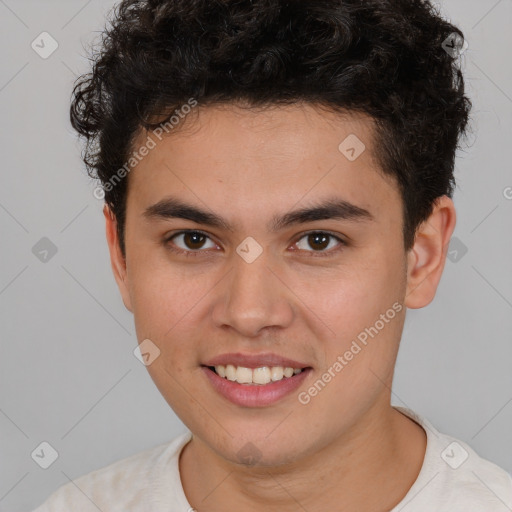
253,297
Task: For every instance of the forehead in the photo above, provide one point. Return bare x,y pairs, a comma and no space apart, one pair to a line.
294,132
263,158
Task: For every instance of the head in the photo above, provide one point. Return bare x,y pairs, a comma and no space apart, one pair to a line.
309,147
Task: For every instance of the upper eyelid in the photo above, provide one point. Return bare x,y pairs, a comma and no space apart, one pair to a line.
185,231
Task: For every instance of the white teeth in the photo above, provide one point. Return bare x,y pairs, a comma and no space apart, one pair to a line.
277,373
288,372
230,372
262,375
243,375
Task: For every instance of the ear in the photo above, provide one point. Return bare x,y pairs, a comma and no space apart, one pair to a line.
116,257
426,259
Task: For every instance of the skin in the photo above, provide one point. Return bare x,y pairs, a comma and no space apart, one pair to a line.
347,449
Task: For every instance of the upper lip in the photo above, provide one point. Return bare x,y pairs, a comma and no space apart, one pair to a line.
254,360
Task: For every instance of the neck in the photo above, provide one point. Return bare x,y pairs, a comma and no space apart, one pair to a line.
371,466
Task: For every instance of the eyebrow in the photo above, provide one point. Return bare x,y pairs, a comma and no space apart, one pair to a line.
330,208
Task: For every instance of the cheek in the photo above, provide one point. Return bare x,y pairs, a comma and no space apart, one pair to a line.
356,298
170,307
363,308
166,304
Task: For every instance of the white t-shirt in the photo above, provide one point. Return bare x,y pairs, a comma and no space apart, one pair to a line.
453,478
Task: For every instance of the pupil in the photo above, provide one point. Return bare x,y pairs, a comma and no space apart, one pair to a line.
195,236
313,239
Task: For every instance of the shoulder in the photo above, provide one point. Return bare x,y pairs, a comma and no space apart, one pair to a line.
455,478
124,485
465,476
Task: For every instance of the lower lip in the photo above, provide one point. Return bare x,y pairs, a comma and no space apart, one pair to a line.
255,395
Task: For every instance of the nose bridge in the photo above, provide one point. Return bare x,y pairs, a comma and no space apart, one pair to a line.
252,297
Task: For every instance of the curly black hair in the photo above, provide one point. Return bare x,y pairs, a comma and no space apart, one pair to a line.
384,58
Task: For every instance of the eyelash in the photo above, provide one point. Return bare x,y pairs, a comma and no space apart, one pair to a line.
321,254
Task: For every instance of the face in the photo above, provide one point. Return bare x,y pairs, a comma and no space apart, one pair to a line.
256,281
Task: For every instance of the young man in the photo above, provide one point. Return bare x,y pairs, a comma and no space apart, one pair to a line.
278,179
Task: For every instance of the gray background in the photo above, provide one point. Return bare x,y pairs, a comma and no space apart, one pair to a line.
68,375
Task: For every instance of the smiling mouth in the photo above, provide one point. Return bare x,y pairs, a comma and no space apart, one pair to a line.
255,376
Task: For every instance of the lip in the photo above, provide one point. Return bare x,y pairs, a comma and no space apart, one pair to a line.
254,360
255,395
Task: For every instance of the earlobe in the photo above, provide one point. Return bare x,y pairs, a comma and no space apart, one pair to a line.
427,257
117,260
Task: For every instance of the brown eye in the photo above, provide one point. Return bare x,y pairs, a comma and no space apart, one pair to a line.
189,241
194,240
319,241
